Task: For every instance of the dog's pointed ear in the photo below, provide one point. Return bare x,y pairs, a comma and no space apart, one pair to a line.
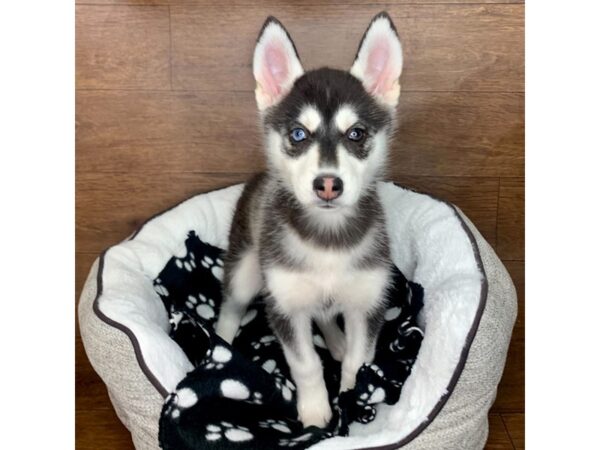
378,62
276,65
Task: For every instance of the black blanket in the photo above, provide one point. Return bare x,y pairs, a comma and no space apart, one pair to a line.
242,396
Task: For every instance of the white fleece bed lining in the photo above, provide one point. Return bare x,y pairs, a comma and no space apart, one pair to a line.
441,255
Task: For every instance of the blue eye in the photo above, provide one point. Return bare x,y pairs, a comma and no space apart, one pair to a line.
355,134
298,135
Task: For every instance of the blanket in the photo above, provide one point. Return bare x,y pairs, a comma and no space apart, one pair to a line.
242,395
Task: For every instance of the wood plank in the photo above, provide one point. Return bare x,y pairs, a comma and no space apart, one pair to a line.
83,264
112,206
454,134
511,219
446,47
498,438
515,425
100,429
122,47
440,134
476,197
511,390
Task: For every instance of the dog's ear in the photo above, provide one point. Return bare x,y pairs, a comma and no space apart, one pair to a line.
378,62
276,65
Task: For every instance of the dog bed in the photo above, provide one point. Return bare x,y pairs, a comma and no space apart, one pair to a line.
146,327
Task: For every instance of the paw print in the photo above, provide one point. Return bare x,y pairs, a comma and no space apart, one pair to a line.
218,358
188,262
214,265
205,307
372,396
278,425
181,399
264,341
159,288
284,385
295,441
228,431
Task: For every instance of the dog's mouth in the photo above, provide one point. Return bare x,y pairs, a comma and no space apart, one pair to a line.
327,204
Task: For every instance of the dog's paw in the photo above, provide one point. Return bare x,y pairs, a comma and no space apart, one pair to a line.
314,409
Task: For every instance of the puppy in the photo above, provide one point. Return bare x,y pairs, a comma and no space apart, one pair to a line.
310,232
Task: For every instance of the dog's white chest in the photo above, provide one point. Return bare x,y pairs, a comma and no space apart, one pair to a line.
325,278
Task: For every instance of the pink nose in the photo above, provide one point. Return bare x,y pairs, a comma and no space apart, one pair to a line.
327,187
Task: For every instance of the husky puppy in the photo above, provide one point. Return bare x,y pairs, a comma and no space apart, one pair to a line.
310,232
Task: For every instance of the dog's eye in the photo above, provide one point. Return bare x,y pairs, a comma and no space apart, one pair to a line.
298,135
355,134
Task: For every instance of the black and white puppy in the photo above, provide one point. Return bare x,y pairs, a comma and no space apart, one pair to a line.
310,232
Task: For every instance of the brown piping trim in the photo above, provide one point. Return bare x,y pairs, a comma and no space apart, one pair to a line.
136,345
441,402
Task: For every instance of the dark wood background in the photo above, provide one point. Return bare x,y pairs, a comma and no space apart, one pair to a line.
165,109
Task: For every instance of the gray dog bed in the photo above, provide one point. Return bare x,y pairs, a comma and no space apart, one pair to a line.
468,314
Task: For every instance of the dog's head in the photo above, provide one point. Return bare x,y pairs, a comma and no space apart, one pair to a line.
327,130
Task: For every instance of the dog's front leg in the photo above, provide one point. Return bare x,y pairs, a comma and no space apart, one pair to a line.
360,346
295,334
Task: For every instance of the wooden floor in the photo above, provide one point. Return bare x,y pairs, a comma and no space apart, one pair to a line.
165,109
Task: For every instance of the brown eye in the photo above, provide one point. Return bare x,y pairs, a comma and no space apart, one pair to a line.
355,134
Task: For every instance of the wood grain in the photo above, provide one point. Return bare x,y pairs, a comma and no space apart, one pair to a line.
439,134
465,47
122,47
515,425
498,438
112,206
511,391
100,429
511,219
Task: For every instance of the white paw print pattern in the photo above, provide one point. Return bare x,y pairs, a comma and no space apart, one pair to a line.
263,341
228,431
219,357
278,425
182,399
215,266
205,307
159,288
237,390
372,396
283,384
295,441
188,263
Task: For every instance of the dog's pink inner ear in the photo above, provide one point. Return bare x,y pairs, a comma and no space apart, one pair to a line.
378,75
275,71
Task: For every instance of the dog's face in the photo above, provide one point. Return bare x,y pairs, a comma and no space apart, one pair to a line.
327,130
